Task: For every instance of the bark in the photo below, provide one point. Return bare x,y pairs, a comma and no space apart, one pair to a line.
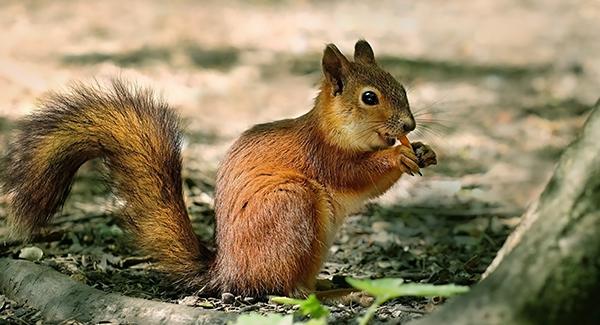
548,272
59,298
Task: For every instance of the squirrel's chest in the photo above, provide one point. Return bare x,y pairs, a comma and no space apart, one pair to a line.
345,203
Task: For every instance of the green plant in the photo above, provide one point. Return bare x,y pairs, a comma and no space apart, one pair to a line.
382,289
390,288
310,306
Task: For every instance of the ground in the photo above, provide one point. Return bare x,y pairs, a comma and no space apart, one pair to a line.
502,87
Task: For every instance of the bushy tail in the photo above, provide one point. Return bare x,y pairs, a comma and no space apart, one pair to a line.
139,139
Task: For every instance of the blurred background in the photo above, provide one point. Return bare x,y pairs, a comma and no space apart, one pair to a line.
510,81
505,86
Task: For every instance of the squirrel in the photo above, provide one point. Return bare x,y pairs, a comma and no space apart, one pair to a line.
282,189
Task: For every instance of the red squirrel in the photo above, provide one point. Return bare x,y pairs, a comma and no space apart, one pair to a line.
282,190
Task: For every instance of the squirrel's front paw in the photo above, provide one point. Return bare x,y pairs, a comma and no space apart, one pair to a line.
409,163
425,155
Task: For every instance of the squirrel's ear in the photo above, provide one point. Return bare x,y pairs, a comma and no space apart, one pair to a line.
335,66
363,52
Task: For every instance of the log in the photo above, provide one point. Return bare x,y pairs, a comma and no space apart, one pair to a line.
60,298
548,272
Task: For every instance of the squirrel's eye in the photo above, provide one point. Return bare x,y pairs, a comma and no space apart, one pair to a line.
369,98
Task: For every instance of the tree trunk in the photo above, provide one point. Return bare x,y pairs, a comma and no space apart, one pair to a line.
548,272
59,298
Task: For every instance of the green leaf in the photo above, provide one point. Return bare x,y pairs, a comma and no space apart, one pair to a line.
309,306
258,319
391,288
376,288
286,301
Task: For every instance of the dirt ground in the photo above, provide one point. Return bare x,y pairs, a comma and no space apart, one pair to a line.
505,86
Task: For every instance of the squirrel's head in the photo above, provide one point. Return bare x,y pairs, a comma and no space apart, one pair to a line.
364,108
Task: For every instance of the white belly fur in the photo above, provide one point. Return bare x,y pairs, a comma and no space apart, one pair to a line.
344,204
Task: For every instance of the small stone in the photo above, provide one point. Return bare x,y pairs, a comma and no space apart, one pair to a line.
227,298
31,253
250,300
384,264
382,237
188,301
378,226
334,249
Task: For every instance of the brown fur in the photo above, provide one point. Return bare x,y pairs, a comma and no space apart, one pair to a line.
282,190
139,139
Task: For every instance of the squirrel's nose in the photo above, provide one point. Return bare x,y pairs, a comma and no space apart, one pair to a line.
409,125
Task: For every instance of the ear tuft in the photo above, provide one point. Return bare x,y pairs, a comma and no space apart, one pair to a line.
363,52
335,66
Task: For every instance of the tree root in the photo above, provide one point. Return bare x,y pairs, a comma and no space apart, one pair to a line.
548,271
60,298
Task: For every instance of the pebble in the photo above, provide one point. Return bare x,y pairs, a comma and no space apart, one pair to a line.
249,300
188,301
31,253
228,298
378,226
